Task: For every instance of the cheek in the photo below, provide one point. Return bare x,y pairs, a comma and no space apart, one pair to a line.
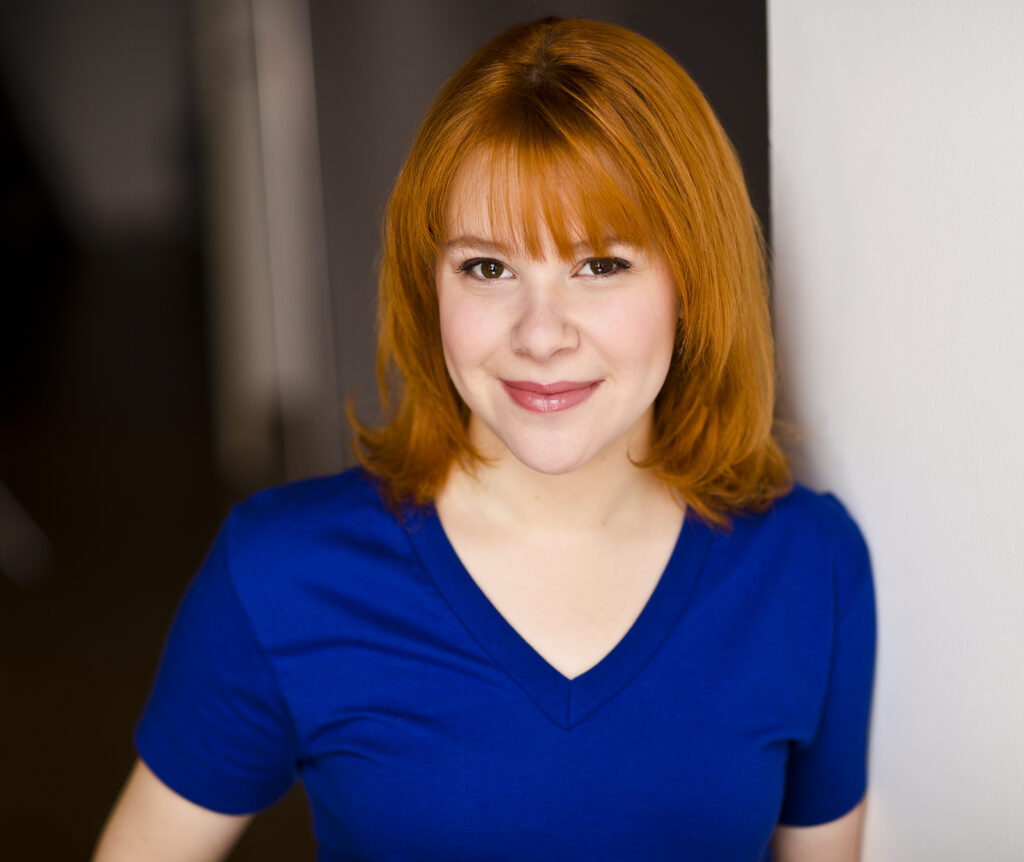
467,333
642,338
664,323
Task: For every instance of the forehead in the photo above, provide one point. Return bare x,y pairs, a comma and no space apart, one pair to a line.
530,203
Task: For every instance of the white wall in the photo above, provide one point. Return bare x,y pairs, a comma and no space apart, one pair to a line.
897,131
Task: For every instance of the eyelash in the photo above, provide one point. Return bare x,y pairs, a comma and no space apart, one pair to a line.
619,264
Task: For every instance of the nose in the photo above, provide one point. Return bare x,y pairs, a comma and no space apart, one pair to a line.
544,325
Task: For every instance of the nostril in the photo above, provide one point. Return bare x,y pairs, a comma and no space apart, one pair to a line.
542,335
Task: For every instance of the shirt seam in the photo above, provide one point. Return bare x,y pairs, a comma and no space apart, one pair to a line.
264,654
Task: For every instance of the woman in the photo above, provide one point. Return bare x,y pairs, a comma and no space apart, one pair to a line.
571,606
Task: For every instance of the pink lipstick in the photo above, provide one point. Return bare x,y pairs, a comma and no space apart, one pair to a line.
549,397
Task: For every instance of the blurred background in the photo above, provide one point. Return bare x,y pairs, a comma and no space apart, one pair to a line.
190,199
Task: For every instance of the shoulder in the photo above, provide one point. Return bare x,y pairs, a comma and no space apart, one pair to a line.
825,523
342,504
806,543
803,519
353,489
302,535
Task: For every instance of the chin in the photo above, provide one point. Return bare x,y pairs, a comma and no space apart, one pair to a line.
552,468
553,460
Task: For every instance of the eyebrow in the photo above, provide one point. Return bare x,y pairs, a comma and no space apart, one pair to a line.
472,241
476,242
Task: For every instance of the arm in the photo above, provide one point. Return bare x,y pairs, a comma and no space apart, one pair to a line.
152,823
828,775
836,841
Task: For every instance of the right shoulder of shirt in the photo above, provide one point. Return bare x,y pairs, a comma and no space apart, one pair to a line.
307,535
299,509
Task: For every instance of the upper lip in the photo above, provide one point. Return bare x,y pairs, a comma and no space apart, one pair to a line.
557,388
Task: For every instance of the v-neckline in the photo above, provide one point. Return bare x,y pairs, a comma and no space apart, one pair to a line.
566,702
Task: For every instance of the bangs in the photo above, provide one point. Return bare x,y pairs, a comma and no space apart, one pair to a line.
540,193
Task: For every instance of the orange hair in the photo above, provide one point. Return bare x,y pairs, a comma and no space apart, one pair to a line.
610,121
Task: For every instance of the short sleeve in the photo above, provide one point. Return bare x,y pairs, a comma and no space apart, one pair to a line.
216,728
827,777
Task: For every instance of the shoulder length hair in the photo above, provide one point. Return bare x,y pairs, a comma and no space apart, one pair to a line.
589,130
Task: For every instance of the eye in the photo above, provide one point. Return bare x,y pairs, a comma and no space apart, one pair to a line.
601,266
486,269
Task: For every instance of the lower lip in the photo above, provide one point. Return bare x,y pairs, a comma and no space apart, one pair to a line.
550,402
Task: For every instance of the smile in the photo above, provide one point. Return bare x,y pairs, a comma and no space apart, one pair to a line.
549,397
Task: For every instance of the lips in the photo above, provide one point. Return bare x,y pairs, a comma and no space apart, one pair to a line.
549,397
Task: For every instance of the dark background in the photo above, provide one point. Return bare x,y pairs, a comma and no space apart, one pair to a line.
105,420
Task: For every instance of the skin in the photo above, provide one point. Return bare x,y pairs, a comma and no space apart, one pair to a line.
560,493
152,823
836,841
550,320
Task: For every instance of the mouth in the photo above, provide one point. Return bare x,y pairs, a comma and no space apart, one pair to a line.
549,397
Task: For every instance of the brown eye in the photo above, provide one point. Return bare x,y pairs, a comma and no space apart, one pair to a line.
605,265
486,269
491,269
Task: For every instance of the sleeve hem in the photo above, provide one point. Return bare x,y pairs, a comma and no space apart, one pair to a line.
189,790
829,803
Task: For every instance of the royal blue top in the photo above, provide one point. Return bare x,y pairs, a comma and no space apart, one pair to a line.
325,639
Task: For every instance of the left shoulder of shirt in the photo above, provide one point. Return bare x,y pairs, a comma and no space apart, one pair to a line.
811,513
817,526
808,528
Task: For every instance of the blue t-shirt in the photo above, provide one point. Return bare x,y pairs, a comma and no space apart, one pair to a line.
327,640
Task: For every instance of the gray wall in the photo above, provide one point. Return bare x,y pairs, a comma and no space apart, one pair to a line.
101,93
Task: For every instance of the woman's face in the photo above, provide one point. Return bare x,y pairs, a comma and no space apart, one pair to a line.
559,361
